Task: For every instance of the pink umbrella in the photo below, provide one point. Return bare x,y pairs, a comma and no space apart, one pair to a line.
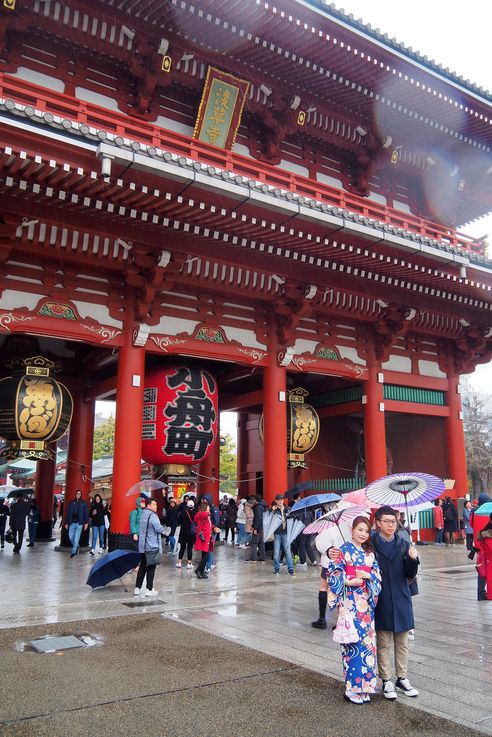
333,518
359,497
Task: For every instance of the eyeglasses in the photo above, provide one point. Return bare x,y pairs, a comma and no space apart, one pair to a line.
389,521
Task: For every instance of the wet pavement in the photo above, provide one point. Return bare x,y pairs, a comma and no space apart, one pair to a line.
231,655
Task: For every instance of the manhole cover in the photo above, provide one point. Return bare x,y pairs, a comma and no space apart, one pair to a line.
50,644
133,604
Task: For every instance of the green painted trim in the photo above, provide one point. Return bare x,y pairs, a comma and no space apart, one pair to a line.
339,396
412,394
350,484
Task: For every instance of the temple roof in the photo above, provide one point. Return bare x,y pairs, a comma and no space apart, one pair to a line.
360,25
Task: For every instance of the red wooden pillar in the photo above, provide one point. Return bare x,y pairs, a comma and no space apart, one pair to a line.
45,482
209,470
456,439
127,460
79,458
274,429
374,424
242,454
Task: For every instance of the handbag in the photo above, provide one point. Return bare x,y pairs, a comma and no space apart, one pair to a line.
345,632
152,557
9,537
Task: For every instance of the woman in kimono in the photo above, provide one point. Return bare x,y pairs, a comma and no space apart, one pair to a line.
355,577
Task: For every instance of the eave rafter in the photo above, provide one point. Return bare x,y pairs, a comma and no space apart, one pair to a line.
118,201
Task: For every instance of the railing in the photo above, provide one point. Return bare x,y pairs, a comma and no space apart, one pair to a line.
48,101
340,485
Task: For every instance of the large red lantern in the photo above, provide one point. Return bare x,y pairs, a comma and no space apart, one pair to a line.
180,415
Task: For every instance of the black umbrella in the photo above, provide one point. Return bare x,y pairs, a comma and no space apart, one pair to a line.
114,565
20,492
314,485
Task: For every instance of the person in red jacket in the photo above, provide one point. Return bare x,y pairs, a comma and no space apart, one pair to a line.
438,522
204,530
479,522
484,542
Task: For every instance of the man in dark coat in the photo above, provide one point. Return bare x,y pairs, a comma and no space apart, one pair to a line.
18,515
257,547
398,563
77,520
4,515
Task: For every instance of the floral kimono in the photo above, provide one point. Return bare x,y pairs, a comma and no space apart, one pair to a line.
359,658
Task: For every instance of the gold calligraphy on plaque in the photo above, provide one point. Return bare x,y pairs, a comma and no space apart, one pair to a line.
221,106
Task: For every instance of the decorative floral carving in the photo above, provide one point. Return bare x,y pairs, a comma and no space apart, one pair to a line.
210,335
57,309
330,354
165,343
105,333
253,353
8,317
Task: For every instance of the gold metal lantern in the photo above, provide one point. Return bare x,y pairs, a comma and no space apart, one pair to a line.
35,409
302,428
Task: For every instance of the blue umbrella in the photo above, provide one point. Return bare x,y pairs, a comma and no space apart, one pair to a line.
114,565
484,510
315,500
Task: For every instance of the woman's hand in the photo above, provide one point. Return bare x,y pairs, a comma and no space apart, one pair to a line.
333,554
353,581
363,574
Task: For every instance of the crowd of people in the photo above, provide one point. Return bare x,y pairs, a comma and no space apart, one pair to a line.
368,574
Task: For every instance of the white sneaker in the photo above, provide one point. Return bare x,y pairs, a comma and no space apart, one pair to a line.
178,564
389,690
137,591
152,592
404,685
302,565
92,552
189,566
411,634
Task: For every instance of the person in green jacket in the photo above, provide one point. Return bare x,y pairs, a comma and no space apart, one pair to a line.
135,515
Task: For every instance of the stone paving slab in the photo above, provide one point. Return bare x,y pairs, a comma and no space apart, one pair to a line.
155,676
450,659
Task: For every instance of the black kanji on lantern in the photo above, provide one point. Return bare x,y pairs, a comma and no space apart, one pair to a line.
191,415
189,441
193,378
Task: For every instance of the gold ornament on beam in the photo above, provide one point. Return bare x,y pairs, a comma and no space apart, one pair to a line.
167,63
301,117
9,4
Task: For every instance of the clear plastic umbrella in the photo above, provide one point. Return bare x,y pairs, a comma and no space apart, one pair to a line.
271,522
294,528
147,486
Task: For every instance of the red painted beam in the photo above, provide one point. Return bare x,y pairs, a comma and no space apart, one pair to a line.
411,408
